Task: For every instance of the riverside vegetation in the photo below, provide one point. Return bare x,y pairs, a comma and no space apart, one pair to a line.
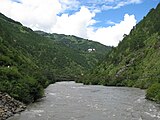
136,60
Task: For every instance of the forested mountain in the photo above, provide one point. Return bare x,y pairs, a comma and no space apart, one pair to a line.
76,43
30,61
136,60
91,52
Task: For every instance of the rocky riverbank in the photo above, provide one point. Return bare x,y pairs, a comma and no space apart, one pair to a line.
9,106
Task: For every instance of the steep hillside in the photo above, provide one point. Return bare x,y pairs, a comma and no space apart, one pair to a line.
29,61
17,69
136,60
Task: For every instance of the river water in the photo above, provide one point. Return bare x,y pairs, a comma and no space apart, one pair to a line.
72,101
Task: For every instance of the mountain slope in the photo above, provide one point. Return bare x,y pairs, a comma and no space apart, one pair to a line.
76,43
93,52
29,61
53,54
17,76
136,60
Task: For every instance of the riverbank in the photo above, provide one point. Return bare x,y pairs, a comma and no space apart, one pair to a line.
9,106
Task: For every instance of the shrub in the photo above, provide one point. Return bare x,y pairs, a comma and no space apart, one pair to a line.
153,92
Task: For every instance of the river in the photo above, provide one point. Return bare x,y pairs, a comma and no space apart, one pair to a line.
74,101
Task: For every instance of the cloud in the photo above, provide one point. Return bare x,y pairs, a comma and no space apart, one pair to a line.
113,34
52,16
123,3
111,22
37,14
75,24
69,4
108,4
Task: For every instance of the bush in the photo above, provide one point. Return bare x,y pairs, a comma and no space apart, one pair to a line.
128,83
153,92
26,90
10,73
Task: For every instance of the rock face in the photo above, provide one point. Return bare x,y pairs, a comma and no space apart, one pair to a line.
9,106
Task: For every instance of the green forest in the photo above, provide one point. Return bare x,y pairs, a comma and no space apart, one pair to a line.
31,60
136,60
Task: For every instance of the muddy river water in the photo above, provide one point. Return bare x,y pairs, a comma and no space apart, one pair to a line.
74,101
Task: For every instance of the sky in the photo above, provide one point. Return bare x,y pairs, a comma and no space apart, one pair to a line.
105,21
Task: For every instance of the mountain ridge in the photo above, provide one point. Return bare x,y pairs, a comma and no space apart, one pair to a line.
135,61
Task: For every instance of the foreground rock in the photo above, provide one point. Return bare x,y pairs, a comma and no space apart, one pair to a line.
9,106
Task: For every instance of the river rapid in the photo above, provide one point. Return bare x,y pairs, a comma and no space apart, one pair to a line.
74,101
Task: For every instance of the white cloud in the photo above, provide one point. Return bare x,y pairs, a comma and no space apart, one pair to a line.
115,4
69,4
111,22
44,15
135,1
113,34
75,24
37,14
123,3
